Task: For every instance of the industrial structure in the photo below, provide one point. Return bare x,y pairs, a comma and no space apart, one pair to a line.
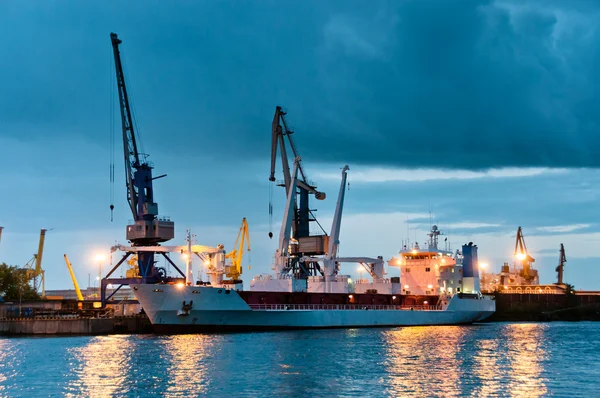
305,242
562,259
74,279
148,230
234,270
521,277
33,268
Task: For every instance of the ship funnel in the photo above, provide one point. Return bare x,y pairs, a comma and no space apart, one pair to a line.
470,269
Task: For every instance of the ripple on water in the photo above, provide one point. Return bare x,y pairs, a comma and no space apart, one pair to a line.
523,359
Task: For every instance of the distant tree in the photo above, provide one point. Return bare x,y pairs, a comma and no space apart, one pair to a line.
14,284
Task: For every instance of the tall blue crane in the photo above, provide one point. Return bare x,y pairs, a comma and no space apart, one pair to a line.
148,229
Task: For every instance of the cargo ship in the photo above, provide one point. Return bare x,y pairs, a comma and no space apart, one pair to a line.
308,292
307,288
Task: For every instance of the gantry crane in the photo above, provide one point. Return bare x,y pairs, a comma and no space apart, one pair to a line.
147,229
562,259
33,267
523,256
75,284
302,216
234,271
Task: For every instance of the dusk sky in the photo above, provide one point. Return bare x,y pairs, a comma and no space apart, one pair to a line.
486,113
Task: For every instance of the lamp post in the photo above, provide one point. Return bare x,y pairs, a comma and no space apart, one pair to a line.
99,259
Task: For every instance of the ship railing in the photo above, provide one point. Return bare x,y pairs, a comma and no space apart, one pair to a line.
336,307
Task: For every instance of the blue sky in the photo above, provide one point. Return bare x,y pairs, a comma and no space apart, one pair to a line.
484,112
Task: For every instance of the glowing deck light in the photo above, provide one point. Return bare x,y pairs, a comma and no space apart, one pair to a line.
207,263
425,302
406,286
506,287
414,251
483,265
393,297
185,256
521,256
429,286
350,296
180,285
99,257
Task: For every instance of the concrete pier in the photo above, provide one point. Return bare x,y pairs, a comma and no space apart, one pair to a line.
75,326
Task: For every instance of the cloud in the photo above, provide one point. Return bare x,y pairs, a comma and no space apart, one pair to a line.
563,228
471,225
379,174
473,85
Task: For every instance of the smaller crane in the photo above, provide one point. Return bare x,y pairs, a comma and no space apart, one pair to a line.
235,270
34,269
561,264
523,256
75,284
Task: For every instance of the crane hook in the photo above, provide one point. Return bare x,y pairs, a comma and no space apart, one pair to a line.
112,207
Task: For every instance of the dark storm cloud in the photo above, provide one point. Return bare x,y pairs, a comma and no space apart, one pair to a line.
469,84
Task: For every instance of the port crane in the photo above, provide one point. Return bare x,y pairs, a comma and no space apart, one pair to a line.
302,216
562,259
75,284
288,260
234,271
523,257
33,268
148,230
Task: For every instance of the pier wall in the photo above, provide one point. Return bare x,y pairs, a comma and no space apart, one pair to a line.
546,307
75,326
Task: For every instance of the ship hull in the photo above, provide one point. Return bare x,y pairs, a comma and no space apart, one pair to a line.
193,309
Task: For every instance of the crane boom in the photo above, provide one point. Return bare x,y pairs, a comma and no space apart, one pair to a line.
75,284
523,255
40,252
302,214
334,236
132,157
237,254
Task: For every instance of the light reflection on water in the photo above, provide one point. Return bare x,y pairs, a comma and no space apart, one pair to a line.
186,364
482,360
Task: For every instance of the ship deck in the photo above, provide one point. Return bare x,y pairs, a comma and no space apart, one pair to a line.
342,307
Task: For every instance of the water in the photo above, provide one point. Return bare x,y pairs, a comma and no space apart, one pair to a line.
522,359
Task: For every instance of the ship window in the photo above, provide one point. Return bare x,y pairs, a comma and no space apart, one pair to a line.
196,291
407,269
427,269
157,290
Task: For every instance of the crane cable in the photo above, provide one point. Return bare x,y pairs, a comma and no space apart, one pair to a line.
271,209
112,142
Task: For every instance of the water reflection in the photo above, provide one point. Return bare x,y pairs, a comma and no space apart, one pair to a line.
100,367
423,361
525,355
187,364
